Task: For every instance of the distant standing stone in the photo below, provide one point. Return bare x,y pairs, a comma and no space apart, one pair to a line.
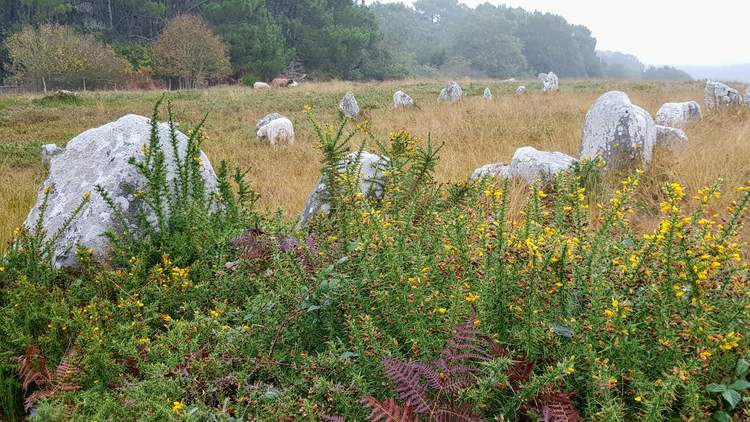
266,120
747,96
618,131
48,152
451,93
670,138
550,82
678,115
402,99
487,94
719,95
349,106
521,90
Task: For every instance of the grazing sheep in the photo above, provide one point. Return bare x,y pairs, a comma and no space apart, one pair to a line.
278,132
282,82
261,85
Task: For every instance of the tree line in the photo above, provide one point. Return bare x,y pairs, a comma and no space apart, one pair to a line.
258,39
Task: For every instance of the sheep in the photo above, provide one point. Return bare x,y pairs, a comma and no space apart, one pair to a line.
261,85
279,132
281,82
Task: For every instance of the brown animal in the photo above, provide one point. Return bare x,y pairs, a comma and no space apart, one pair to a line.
281,82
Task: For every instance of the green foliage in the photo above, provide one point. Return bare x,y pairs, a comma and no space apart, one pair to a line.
666,73
138,55
256,44
249,80
188,321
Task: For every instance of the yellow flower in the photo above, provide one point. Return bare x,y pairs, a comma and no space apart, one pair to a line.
177,406
215,313
245,328
570,369
144,341
441,311
471,298
166,318
612,382
638,399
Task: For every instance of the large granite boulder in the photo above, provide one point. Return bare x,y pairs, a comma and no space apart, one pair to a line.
266,120
521,90
550,82
671,138
349,106
99,157
487,94
369,168
719,95
528,164
451,93
678,115
618,131
402,99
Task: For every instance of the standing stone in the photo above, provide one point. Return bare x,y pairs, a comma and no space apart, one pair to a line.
402,99
370,171
48,152
621,133
487,94
451,93
521,90
528,164
678,115
671,138
266,120
349,106
550,82
719,95
747,96
100,157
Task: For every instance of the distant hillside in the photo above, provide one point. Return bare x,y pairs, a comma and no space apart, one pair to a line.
738,72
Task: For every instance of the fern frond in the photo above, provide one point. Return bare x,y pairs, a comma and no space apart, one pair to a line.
388,411
408,382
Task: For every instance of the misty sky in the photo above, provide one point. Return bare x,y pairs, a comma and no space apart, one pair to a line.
659,32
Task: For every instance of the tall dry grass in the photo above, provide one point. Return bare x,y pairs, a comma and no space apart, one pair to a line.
474,132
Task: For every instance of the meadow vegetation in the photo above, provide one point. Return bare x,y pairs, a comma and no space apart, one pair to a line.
596,295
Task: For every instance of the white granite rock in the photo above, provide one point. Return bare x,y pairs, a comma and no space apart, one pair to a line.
402,99
100,157
550,82
451,93
349,106
521,90
670,138
718,95
528,164
678,115
621,133
487,94
370,171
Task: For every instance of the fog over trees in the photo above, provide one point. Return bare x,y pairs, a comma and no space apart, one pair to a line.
330,39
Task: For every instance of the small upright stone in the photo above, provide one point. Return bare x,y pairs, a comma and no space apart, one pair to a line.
370,173
349,106
618,131
719,95
402,99
266,120
521,90
496,170
671,138
747,96
487,94
550,82
451,93
678,115
49,151
528,164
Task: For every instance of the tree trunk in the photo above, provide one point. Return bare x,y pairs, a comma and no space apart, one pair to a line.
44,85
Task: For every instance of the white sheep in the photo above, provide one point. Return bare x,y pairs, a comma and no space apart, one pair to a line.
261,85
279,132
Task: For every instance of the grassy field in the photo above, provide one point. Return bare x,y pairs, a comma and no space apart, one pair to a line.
602,297
474,132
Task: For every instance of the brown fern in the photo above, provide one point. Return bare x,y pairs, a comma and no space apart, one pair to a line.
33,370
389,411
557,407
407,379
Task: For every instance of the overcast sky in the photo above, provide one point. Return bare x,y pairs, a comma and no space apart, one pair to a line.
659,32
